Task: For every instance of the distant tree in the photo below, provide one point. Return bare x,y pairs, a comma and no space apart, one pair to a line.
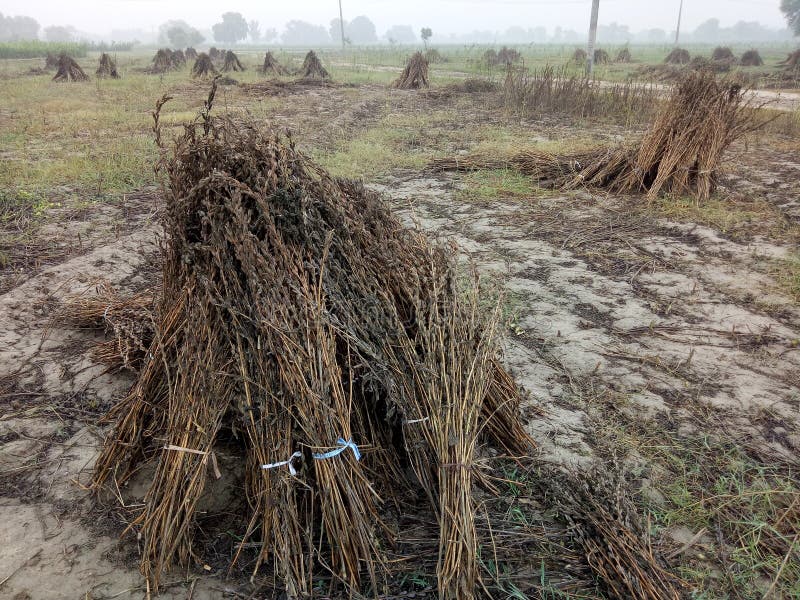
178,34
655,36
254,31
335,30
301,33
59,33
614,33
708,31
18,28
426,34
401,34
791,8
178,37
269,35
361,31
232,29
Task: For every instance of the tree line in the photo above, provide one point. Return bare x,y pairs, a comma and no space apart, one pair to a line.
233,28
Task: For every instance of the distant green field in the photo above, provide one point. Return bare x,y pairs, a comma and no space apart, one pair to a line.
36,49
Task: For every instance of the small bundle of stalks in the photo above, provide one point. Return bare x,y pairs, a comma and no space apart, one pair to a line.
508,56
601,57
129,320
178,59
190,54
203,66
162,62
579,56
792,62
415,75
69,70
215,54
681,152
716,66
107,67
624,56
51,61
322,324
312,68
232,62
603,522
678,56
272,67
723,53
751,58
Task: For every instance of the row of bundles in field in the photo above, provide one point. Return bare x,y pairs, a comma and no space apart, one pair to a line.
346,357
681,152
601,56
166,60
505,56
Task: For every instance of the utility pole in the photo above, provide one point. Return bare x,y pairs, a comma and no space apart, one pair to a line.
341,22
678,29
592,37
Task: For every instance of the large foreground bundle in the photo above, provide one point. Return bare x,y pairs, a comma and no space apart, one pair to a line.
678,56
681,152
345,355
751,58
107,67
312,68
271,66
69,70
232,62
203,66
415,75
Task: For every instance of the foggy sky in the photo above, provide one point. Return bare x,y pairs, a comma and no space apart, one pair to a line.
444,16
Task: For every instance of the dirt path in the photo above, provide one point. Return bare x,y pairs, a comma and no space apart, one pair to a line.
658,313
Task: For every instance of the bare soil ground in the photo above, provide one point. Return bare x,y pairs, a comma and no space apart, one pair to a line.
659,336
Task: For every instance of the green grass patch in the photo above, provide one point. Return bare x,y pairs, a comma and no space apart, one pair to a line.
37,49
787,273
496,185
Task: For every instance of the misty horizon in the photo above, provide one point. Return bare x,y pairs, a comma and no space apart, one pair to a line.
510,21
